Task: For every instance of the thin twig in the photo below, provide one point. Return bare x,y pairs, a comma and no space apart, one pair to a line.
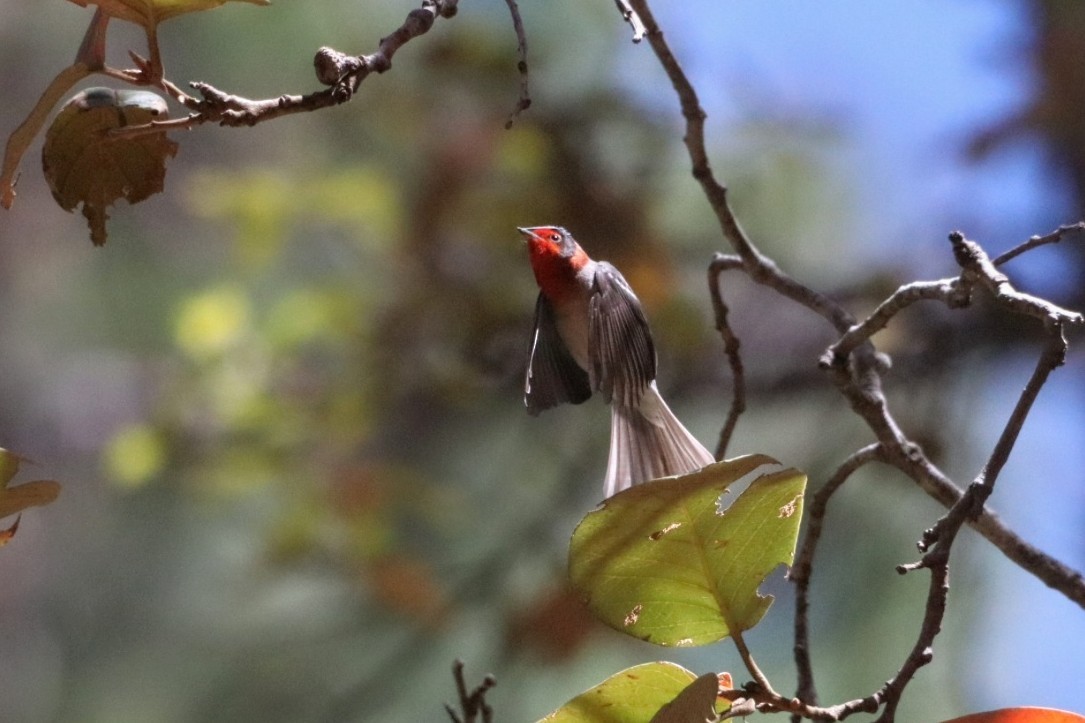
342,73
471,704
859,382
631,17
922,651
856,368
759,677
802,570
975,265
731,349
524,102
944,532
1036,241
758,267
971,504
901,299
21,137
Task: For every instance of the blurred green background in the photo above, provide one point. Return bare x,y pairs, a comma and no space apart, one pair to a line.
285,399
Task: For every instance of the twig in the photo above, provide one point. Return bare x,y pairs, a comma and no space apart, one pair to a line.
731,349
473,703
631,17
342,73
90,58
524,102
856,368
22,136
970,506
757,266
901,299
945,531
922,652
977,267
759,677
802,569
1036,241
1056,575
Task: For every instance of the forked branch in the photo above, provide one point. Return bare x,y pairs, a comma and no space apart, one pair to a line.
856,369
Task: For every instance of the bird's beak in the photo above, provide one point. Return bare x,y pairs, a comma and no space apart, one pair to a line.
528,233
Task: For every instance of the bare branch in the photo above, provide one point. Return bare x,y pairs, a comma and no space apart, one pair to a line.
901,299
342,73
21,137
471,704
1036,241
969,506
631,17
922,652
763,684
856,369
803,568
758,267
731,347
524,102
977,267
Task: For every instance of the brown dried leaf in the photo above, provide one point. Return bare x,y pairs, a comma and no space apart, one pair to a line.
85,165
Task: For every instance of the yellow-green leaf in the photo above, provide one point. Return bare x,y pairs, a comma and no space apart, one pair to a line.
634,695
666,562
149,13
18,498
85,165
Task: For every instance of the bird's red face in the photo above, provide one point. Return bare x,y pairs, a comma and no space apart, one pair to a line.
556,258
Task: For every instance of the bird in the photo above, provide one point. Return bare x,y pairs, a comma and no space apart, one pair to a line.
591,335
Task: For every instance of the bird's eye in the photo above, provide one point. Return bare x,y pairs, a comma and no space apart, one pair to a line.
555,238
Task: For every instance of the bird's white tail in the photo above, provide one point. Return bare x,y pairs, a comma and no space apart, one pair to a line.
649,442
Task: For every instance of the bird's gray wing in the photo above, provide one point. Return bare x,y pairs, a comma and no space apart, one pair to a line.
553,376
623,358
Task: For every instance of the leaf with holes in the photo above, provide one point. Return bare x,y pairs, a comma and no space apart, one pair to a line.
85,165
666,562
149,13
644,693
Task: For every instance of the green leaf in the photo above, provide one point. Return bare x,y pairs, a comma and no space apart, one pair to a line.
84,165
149,13
667,563
634,695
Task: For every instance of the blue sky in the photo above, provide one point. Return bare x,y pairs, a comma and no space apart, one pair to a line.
909,81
